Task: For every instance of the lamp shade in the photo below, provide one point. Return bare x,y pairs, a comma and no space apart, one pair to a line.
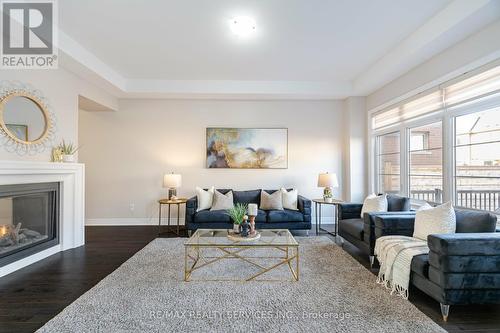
328,180
172,180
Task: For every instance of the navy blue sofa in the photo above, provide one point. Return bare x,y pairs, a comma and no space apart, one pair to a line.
266,219
461,268
360,231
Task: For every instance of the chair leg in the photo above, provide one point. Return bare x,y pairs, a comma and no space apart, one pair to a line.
372,261
445,310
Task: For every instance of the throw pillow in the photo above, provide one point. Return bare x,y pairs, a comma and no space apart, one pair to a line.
205,198
222,201
289,198
271,201
437,220
374,203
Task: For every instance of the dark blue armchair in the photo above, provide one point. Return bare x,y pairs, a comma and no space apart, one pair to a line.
360,231
461,268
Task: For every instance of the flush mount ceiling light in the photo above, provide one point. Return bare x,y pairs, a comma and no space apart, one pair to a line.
242,26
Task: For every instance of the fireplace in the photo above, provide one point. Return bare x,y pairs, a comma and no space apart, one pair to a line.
29,220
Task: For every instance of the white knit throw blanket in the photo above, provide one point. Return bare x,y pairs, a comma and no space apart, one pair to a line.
394,254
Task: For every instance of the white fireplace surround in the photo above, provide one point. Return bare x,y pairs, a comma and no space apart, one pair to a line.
71,176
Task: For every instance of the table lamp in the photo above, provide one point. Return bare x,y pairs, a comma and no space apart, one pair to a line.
172,181
328,180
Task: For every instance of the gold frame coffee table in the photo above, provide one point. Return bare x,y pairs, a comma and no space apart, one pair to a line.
208,246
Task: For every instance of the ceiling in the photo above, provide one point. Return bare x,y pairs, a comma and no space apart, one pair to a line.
308,48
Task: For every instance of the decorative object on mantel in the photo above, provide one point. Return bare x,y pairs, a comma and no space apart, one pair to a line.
24,107
172,181
57,155
247,148
68,151
328,180
237,213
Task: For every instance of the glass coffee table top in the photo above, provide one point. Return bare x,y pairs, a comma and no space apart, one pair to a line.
217,237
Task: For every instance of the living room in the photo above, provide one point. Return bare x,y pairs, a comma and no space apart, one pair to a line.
243,165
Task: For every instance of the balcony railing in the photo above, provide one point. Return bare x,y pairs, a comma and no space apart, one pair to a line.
475,199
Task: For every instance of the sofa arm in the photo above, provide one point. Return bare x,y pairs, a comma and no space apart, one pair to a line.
304,206
191,206
465,244
349,211
465,261
394,224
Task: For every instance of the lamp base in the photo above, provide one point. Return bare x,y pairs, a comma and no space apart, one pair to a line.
327,194
172,193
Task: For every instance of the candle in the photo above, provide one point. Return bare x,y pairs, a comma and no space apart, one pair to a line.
253,209
3,230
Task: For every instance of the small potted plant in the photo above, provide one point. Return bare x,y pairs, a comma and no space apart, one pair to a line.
68,151
237,214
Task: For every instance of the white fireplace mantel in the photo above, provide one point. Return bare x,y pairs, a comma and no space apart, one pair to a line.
71,176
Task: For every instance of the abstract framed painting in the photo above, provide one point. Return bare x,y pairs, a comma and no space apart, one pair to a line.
247,148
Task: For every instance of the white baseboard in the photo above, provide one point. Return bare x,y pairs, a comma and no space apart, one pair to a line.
129,221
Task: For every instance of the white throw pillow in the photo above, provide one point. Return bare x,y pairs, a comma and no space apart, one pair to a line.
374,203
222,201
289,199
437,220
205,198
272,201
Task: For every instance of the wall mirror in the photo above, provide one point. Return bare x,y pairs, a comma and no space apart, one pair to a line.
26,122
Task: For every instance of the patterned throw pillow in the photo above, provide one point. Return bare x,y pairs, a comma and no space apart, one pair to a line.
205,198
222,201
438,220
374,203
271,201
289,198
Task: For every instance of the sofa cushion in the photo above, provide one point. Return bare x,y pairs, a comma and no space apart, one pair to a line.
374,203
222,201
247,197
395,203
284,216
353,227
211,216
272,201
261,216
475,221
437,220
420,265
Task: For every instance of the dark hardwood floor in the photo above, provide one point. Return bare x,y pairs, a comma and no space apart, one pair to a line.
33,295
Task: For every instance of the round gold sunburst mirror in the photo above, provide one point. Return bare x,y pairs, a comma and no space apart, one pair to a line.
26,121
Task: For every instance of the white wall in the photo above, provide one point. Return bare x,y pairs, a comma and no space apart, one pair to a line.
61,88
126,152
472,52
355,149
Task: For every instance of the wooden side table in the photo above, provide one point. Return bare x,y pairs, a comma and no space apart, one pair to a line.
318,204
178,203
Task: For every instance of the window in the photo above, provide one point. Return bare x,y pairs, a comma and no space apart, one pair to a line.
451,138
426,162
388,163
477,160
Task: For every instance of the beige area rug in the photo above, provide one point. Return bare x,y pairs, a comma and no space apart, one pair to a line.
147,294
